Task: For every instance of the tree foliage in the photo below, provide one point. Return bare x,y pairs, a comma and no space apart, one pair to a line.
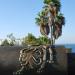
43,40
30,39
54,2
5,43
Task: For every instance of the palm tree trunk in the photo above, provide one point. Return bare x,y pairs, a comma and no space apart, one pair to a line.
51,35
54,41
52,28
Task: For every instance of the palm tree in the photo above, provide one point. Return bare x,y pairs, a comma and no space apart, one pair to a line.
52,7
51,20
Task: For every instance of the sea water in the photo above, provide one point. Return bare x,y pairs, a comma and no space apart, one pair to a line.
71,46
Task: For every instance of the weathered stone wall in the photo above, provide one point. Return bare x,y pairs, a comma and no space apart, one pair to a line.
61,58
9,59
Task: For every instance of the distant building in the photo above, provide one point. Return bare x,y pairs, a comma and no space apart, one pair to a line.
18,42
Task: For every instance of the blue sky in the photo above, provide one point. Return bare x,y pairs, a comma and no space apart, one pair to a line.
18,17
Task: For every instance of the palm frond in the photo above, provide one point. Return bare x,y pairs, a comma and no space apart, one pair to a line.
60,19
37,21
45,30
55,3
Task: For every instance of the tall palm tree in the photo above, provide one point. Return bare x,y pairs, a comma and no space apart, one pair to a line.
51,11
51,20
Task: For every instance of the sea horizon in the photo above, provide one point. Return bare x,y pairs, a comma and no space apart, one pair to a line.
72,46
